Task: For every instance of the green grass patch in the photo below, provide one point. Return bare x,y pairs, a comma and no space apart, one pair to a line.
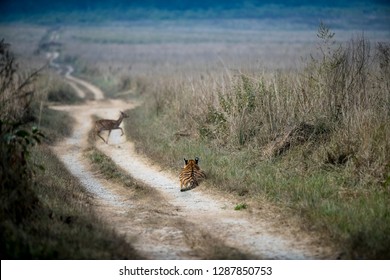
109,170
240,206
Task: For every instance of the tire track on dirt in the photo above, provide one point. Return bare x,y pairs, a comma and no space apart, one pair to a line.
75,83
235,228
112,202
146,219
173,226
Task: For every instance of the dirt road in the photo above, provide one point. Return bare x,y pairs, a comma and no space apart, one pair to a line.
159,220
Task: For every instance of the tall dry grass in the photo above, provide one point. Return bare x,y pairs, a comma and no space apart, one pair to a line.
315,140
342,91
16,139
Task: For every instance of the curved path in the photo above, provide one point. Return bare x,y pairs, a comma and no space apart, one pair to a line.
160,221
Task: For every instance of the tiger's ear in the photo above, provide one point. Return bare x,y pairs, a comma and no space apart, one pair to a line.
196,160
185,161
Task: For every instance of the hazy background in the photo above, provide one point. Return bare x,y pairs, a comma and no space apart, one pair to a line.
147,37
342,14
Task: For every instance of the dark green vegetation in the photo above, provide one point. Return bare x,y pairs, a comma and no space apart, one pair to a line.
314,142
44,212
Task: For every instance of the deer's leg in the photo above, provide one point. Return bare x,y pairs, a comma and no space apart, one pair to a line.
109,132
121,130
98,134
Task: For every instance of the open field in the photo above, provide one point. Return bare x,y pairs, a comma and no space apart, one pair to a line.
308,135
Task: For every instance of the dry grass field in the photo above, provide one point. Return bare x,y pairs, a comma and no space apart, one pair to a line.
293,115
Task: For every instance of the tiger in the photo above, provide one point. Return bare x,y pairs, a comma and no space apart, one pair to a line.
190,175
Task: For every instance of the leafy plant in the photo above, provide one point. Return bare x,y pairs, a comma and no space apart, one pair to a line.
240,206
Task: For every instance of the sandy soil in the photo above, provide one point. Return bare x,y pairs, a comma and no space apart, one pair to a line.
159,220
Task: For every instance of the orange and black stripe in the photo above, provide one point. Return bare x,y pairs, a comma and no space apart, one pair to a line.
191,175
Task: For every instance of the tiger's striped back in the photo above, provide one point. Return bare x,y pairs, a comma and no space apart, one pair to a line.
191,175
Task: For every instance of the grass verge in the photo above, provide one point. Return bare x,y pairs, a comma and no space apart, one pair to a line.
329,201
64,222
204,245
64,227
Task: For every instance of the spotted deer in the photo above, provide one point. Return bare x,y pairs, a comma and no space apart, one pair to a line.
109,125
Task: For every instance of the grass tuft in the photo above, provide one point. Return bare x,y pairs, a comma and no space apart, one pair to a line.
240,206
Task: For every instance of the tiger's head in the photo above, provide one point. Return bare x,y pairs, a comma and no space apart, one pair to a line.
188,162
